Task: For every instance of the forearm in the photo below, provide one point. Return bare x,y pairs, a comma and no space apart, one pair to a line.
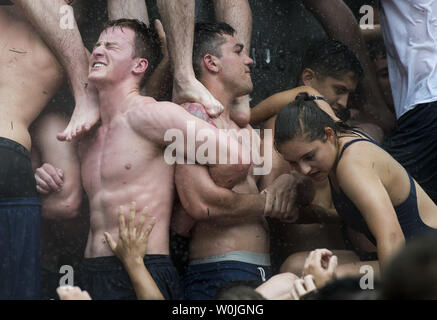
61,205
144,285
387,248
178,21
129,9
65,42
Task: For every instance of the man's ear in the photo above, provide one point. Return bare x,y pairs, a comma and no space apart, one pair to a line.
211,63
141,66
307,77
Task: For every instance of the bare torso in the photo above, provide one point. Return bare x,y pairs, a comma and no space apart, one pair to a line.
29,75
120,166
210,238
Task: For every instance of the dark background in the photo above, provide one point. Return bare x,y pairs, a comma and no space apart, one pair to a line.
281,28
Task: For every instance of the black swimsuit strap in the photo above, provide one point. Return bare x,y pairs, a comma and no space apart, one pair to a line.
353,141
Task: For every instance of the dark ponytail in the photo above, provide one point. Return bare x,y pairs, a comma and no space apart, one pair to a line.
304,118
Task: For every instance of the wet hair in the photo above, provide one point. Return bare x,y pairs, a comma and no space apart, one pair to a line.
331,58
208,37
147,43
412,273
376,49
304,118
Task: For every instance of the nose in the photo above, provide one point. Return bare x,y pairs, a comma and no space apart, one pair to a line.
248,60
304,168
98,51
342,101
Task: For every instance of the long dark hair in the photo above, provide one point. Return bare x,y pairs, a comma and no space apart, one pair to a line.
304,118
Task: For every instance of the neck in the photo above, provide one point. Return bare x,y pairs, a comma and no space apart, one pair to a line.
222,94
114,97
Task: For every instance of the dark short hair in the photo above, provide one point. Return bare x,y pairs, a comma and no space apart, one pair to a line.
331,58
147,43
304,118
208,37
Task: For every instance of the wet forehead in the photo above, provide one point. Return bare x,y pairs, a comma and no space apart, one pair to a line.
297,148
231,42
348,80
122,36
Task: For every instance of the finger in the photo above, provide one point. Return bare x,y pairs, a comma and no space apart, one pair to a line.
145,234
277,206
60,173
131,218
110,241
160,30
121,223
43,175
141,222
41,190
268,208
41,183
284,206
299,286
54,174
333,262
294,295
317,259
309,283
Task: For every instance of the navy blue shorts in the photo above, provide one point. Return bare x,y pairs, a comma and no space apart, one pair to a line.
20,224
20,245
413,143
201,281
106,279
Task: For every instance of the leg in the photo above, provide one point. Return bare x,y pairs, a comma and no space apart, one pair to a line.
239,15
178,21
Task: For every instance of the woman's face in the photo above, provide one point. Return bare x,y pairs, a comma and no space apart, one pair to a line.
314,159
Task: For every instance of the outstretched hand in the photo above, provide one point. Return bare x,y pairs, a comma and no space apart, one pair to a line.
133,238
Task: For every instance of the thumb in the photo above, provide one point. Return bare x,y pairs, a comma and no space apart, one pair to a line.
332,264
110,241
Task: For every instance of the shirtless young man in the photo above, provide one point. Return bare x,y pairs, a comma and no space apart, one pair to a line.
29,77
230,239
122,160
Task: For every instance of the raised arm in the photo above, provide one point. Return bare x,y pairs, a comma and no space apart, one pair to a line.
131,249
361,183
272,105
65,203
340,23
67,44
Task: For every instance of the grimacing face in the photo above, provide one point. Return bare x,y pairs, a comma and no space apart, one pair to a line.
112,57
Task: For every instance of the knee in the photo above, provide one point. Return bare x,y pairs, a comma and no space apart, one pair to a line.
294,263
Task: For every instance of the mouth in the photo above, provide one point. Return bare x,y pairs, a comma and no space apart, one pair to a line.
98,65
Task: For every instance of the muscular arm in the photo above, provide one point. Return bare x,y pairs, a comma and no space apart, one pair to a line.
340,23
66,203
272,105
129,9
203,199
68,46
168,120
361,183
